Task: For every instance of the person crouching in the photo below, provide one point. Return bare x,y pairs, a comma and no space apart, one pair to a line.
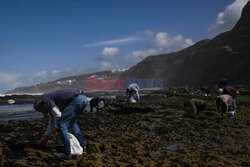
197,105
133,89
225,102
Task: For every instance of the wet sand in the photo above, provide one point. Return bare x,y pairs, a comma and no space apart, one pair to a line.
139,135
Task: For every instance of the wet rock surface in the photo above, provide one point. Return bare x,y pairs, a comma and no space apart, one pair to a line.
159,131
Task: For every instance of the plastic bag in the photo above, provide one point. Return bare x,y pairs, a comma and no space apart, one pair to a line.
75,147
132,100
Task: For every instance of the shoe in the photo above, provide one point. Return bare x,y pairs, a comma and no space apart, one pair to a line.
84,151
69,156
62,156
231,114
65,156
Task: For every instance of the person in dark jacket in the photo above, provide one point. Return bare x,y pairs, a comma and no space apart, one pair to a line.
95,103
64,107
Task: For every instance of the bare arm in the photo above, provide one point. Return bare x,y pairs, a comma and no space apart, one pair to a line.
193,106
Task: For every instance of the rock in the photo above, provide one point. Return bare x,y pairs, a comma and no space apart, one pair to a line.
11,101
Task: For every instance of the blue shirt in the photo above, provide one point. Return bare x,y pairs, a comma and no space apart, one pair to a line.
60,98
135,88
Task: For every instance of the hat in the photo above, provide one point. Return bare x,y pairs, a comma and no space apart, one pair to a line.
220,91
97,102
37,104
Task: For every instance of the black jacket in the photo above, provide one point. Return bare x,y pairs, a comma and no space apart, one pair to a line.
94,102
229,90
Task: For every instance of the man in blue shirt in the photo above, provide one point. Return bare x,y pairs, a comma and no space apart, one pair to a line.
131,90
64,107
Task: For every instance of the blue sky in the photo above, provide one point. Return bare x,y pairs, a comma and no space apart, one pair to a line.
43,40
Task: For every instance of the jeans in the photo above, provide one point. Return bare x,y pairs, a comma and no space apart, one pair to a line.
69,116
231,113
234,101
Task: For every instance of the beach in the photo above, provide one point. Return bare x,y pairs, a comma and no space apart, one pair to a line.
159,131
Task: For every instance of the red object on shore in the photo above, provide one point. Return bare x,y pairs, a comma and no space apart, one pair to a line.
43,143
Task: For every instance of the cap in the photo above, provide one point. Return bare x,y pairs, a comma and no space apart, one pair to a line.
37,104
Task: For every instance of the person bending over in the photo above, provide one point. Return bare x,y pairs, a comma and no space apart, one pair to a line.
225,102
64,106
133,89
197,105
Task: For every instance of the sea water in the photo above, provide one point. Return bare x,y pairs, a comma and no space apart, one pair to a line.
24,111
18,112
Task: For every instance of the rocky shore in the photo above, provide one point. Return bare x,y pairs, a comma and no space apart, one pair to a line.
30,99
159,131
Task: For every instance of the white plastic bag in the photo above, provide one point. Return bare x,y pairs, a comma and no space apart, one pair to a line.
75,147
132,100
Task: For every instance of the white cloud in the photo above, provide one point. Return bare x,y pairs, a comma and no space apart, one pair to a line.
105,65
227,19
55,72
112,42
68,69
108,53
161,40
146,33
137,36
45,76
9,81
161,43
138,55
41,74
164,41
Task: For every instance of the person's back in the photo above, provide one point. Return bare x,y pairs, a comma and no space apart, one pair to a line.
133,86
197,105
60,98
226,103
222,83
229,90
131,90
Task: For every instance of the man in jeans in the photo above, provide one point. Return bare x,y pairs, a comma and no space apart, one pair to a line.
64,107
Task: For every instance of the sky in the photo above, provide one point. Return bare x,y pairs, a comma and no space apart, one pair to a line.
44,40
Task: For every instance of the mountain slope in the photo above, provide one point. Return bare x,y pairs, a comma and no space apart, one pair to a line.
225,56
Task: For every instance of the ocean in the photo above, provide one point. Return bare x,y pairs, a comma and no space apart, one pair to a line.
18,112
23,111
